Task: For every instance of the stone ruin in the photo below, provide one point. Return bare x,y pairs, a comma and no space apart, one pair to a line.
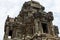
32,23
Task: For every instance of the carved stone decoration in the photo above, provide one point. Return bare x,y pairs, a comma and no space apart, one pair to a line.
50,16
32,23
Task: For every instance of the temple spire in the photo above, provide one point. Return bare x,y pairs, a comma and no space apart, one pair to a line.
31,1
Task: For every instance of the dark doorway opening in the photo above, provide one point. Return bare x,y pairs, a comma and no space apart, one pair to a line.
44,26
10,32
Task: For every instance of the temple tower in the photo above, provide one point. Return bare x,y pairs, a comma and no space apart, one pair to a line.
32,23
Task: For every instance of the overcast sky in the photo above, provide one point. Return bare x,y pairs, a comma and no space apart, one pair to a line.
12,8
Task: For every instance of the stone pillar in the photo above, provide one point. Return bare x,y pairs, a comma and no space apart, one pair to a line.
40,27
36,25
51,29
14,33
6,33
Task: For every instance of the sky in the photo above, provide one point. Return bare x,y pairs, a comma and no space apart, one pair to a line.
13,7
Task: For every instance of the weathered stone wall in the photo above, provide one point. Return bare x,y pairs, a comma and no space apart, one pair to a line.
32,23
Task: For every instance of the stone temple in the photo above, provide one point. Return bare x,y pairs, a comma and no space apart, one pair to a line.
32,23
